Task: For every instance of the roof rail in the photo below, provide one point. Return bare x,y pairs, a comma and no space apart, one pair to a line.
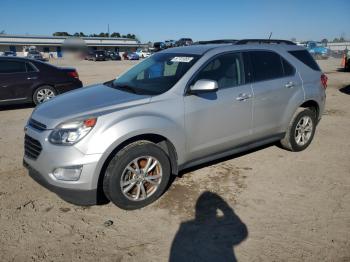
264,41
217,41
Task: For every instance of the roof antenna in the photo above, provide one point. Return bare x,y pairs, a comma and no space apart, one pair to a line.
270,35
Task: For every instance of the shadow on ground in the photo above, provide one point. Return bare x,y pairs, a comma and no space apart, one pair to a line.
15,107
212,235
342,69
345,90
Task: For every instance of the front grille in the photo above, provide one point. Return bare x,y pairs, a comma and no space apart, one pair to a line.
36,125
32,147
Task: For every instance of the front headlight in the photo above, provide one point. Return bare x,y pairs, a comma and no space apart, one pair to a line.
71,132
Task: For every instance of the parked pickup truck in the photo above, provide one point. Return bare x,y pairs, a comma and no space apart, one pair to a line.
317,50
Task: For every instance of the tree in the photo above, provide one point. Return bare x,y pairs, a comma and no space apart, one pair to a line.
103,35
324,41
82,34
2,32
114,34
61,34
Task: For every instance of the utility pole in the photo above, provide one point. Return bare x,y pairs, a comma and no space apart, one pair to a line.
108,29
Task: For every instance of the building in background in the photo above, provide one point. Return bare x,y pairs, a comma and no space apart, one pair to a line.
55,45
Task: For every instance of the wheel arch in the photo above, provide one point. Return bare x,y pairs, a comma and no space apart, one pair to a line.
160,140
313,105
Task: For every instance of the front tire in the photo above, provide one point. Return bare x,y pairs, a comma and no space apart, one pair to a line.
43,94
301,130
137,175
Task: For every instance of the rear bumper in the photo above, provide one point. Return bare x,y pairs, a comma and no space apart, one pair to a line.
69,86
74,196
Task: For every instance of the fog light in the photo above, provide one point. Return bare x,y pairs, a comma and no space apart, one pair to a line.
71,173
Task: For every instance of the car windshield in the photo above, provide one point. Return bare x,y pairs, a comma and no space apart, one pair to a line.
155,75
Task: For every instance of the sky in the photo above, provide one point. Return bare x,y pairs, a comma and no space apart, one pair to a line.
161,20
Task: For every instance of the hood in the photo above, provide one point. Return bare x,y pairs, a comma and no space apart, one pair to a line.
88,101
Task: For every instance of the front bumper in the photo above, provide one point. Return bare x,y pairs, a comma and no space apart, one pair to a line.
84,191
77,197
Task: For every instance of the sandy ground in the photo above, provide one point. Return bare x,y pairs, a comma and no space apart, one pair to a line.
265,205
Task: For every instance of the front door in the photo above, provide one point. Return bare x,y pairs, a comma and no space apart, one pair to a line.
218,121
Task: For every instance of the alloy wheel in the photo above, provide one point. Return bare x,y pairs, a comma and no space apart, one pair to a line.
141,178
303,130
44,94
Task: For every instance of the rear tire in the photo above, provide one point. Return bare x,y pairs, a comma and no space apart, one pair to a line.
43,94
301,130
128,183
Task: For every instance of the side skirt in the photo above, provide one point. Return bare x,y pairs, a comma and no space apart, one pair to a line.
236,150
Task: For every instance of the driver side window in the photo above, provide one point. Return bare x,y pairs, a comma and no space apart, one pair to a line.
226,70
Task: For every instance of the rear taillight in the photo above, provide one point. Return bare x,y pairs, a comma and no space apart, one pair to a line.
73,74
324,80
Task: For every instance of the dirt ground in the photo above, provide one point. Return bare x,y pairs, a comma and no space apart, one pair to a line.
264,205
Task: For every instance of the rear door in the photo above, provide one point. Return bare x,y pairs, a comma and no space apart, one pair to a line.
218,121
275,83
14,82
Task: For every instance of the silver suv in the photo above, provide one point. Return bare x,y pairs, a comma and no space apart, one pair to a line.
124,139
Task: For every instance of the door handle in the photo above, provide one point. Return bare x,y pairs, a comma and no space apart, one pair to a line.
289,85
32,78
243,97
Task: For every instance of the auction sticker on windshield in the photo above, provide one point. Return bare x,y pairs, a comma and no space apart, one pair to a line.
182,59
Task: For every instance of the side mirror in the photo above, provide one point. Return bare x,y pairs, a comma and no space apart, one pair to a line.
204,86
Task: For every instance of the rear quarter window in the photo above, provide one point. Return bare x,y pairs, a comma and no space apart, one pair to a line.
288,69
305,57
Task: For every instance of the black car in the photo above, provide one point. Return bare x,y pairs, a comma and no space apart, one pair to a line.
115,56
99,55
184,42
25,80
158,46
9,53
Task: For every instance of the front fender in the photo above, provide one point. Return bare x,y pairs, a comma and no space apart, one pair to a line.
109,138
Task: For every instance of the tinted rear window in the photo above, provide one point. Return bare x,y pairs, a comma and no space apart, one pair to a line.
266,65
305,57
12,67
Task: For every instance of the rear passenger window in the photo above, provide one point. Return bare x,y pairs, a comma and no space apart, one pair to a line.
226,69
12,67
305,57
266,65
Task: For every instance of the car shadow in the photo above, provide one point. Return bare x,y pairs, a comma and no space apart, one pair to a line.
211,235
342,69
15,107
345,90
